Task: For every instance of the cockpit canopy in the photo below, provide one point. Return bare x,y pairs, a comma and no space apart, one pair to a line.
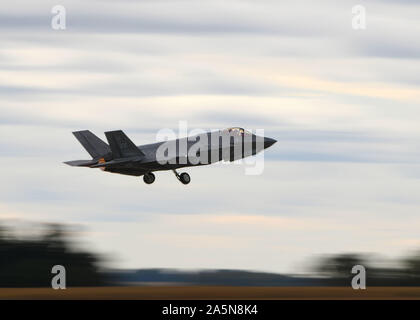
237,130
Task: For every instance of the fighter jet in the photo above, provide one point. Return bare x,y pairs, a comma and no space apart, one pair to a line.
122,156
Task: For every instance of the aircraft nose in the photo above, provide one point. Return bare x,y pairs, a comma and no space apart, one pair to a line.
268,142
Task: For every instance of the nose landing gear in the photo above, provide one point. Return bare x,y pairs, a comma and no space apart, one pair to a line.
183,177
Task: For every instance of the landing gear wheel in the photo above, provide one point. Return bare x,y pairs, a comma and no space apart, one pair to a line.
185,178
149,178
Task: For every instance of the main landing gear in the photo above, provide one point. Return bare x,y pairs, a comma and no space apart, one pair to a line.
183,177
149,178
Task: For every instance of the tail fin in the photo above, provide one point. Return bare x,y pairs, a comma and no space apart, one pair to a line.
93,145
121,145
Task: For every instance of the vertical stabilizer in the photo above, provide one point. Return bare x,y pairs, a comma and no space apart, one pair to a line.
93,145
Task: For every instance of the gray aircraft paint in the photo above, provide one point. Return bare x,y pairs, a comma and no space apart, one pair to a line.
124,157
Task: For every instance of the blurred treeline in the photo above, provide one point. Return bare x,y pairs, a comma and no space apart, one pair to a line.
27,261
336,270
333,270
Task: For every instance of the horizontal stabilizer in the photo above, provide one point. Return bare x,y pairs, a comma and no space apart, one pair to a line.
116,162
121,145
93,145
81,163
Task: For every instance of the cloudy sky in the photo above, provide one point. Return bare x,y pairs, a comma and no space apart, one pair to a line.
343,104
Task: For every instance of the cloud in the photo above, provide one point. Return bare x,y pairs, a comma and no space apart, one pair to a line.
342,104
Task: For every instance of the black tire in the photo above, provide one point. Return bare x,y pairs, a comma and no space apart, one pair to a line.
185,178
149,178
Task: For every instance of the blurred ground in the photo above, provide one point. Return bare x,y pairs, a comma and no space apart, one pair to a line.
212,293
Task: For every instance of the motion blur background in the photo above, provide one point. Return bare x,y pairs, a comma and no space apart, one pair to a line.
343,104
